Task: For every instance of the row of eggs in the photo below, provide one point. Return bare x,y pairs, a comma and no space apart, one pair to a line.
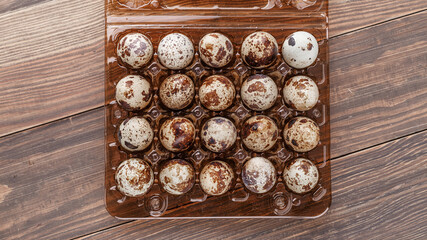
259,50
218,134
135,177
258,92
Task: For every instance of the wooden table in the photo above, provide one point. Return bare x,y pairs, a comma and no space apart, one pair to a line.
52,128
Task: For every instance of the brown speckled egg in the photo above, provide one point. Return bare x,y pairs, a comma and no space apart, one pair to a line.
301,134
217,93
175,51
218,134
259,50
216,50
177,176
135,134
216,178
135,50
177,134
259,92
301,93
133,93
259,175
259,133
177,91
300,49
300,175
134,177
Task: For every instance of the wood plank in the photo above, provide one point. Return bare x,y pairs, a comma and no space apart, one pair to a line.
40,75
378,84
379,193
345,16
52,63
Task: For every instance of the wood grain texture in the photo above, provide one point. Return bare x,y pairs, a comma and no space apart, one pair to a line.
373,199
378,84
40,75
377,192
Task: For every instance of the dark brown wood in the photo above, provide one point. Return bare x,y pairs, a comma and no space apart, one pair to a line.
379,192
41,200
53,62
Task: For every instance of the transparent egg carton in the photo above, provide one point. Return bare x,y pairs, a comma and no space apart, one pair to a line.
126,16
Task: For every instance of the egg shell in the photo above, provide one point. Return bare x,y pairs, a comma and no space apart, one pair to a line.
177,176
135,50
135,134
301,134
216,50
259,50
259,92
259,133
134,177
301,175
177,134
216,178
300,49
133,93
177,91
301,93
217,93
175,51
259,175
218,134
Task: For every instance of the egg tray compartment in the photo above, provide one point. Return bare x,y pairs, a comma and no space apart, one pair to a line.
162,5
238,202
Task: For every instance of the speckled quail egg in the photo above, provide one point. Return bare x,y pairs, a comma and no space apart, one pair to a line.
217,93
301,134
300,49
135,50
301,93
259,50
177,91
177,176
259,175
133,93
134,177
216,50
259,133
259,92
175,51
218,134
216,178
135,134
301,175
177,134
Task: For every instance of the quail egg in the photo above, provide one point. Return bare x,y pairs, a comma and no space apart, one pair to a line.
177,176
259,92
133,93
134,177
300,175
177,134
216,178
259,50
259,175
300,49
177,91
135,134
259,133
216,50
218,134
217,93
135,50
301,93
175,51
301,134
